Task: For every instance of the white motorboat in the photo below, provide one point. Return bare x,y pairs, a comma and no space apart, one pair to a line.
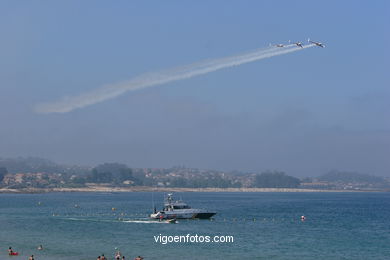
178,209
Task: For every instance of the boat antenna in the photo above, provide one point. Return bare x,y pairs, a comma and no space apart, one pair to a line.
154,207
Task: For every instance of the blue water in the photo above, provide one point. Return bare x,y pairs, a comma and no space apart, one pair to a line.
264,226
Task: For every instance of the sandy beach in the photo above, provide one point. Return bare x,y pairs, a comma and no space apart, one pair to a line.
103,188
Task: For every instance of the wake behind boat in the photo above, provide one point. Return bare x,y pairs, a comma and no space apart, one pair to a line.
178,209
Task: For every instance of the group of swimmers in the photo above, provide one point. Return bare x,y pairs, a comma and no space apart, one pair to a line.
102,257
118,256
11,252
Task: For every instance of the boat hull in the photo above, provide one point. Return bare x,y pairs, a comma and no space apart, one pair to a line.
204,215
182,215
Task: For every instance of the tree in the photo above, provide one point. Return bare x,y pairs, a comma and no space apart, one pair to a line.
112,173
79,180
179,182
101,177
3,172
276,180
125,174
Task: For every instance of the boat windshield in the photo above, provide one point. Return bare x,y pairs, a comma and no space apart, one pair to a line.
181,207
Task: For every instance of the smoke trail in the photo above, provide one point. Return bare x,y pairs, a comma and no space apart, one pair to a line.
68,104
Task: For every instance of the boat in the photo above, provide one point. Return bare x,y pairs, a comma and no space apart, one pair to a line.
177,209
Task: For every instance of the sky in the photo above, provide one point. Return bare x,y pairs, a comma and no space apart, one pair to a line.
304,113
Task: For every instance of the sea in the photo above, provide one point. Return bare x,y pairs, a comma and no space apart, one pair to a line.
268,225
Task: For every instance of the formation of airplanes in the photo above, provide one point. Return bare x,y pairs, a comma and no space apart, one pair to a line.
299,44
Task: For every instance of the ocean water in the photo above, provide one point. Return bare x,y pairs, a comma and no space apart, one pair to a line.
264,226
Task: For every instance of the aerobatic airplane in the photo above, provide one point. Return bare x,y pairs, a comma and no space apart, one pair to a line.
299,44
316,43
277,45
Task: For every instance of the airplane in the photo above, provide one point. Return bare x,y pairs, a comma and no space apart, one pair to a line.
316,43
277,45
299,44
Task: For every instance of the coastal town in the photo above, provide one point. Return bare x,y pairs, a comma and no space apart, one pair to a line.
35,173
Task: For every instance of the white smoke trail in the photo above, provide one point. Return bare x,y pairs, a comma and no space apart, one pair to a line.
68,104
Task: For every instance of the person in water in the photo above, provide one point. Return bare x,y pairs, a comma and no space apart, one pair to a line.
40,247
118,255
103,257
31,257
98,258
139,258
123,257
10,251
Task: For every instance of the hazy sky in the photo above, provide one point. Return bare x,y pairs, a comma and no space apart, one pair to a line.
304,113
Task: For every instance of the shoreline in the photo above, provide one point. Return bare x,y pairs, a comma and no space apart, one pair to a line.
101,188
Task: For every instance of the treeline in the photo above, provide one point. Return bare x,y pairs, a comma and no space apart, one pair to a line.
276,180
120,174
199,182
116,173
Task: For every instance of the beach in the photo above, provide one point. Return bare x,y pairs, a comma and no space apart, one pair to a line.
106,188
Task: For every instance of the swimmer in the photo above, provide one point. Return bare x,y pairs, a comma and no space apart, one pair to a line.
117,254
98,258
123,257
303,218
31,257
139,258
103,257
10,252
